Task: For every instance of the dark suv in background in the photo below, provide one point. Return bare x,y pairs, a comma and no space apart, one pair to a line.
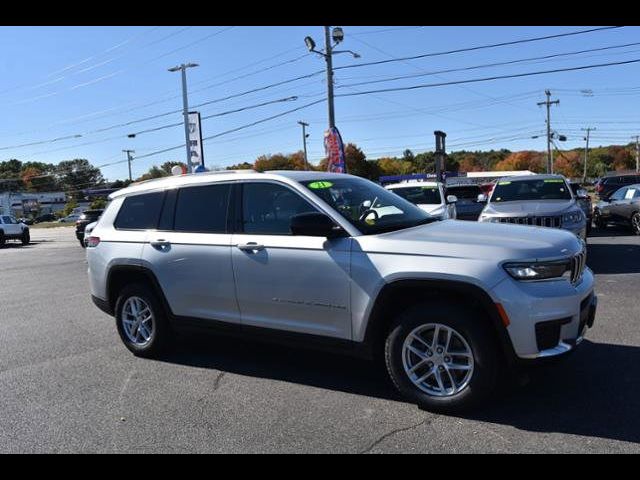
87,217
605,186
467,207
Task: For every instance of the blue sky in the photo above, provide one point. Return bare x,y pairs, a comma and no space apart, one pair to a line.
60,82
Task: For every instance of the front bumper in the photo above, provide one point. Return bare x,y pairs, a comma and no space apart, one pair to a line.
547,318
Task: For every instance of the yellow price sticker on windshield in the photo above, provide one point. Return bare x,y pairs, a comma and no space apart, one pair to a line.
553,180
504,183
319,185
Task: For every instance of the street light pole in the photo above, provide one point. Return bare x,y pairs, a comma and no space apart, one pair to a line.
337,36
185,107
329,58
304,143
129,152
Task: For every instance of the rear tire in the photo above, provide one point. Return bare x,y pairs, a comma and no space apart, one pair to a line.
3,239
142,322
82,244
445,388
635,223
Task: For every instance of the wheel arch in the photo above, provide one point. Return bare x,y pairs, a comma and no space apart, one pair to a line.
121,275
394,297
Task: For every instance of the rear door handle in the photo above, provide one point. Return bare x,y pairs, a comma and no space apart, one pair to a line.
250,247
160,244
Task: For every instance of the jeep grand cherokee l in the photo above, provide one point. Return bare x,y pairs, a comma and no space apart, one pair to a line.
336,260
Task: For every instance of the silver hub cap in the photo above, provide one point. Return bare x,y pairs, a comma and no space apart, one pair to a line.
437,360
137,321
635,221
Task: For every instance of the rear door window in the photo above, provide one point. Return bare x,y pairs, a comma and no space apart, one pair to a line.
140,212
202,209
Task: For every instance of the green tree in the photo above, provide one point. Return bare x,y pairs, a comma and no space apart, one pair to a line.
77,175
98,204
68,208
154,172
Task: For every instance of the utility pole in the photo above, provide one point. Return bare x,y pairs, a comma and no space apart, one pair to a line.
129,152
637,137
439,154
548,102
304,143
185,107
329,58
586,152
337,35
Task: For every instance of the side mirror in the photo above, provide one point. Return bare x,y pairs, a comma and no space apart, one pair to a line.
452,199
314,225
482,198
582,193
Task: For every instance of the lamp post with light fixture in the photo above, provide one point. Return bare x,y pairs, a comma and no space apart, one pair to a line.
337,35
185,107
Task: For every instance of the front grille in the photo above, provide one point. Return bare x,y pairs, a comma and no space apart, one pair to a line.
578,262
550,221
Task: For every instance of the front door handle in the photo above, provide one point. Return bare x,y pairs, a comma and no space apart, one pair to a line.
250,247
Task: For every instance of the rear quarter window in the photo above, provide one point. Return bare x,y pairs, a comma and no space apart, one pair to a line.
140,212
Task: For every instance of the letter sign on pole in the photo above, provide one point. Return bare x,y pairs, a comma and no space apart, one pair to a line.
195,139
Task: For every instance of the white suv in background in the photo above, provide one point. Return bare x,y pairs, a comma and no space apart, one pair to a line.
429,196
11,229
334,260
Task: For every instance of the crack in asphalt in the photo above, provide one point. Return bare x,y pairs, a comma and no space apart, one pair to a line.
391,433
216,382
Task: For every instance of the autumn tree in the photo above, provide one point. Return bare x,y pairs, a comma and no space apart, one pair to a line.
525,160
279,161
570,164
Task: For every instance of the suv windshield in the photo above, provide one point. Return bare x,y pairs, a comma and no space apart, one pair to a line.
419,195
367,206
539,189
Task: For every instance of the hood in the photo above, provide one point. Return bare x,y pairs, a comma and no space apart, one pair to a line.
483,241
529,207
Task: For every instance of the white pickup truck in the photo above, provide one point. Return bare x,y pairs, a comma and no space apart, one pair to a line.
11,229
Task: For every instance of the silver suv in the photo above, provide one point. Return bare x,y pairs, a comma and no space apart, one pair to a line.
535,200
337,261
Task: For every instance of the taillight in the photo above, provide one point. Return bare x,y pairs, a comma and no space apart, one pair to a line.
599,187
92,241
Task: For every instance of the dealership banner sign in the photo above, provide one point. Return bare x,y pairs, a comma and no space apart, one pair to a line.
195,139
334,150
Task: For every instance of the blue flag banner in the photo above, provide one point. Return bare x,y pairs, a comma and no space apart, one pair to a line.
334,149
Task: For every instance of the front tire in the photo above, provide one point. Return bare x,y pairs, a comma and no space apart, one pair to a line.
443,358
26,238
142,322
3,239
599,223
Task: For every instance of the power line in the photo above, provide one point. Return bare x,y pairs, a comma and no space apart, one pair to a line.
228,112
478,47
485,79
486,65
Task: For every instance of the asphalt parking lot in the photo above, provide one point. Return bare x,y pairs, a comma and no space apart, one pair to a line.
67,384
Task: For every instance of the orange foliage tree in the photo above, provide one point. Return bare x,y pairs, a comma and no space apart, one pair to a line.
525,160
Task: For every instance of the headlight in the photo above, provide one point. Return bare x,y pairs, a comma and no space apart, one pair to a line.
538,271
572,217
